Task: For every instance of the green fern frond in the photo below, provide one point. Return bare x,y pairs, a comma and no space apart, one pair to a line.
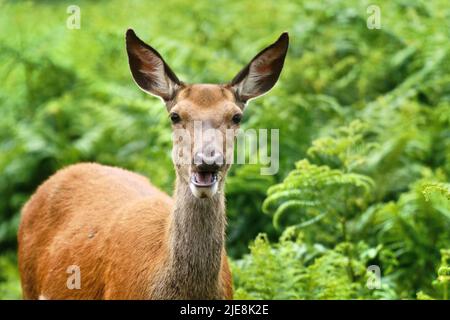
347,148
436,187
291,204
309,185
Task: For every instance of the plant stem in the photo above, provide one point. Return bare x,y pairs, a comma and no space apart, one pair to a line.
348,253
446,290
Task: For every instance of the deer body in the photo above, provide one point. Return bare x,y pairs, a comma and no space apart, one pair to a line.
127,239
116,227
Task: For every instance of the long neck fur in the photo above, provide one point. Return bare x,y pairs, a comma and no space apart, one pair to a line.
196,244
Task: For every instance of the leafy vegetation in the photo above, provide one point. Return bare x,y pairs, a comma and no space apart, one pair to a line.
363,114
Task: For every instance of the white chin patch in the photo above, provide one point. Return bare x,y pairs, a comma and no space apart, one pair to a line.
203,192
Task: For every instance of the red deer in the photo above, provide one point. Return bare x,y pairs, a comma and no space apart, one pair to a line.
127,239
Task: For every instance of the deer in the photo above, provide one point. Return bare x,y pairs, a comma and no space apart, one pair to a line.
127,238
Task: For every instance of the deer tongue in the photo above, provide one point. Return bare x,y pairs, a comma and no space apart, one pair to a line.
204,178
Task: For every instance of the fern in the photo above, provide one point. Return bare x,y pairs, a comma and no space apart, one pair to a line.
414,228
369,111
9,277
312,191
346,149
442,282
307,272
436,187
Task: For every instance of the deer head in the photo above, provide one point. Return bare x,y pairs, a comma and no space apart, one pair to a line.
205,117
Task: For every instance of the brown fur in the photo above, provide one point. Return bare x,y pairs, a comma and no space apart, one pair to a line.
112,223
129,239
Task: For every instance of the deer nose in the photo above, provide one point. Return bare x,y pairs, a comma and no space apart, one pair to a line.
212,161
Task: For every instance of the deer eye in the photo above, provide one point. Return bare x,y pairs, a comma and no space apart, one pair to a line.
237,118
175,117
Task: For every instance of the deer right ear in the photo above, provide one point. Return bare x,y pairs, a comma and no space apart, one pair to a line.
149,70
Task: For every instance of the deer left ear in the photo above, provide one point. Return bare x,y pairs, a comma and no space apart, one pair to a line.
261,74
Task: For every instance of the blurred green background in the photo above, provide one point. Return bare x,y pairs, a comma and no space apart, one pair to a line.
364,119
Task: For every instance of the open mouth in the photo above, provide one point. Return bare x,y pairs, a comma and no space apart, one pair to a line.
204,179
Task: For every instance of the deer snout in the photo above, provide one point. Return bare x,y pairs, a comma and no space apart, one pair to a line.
208,162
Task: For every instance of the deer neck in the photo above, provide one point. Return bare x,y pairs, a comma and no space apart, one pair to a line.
196,244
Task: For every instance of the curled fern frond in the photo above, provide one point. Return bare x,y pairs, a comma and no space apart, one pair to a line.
318,187
436,187
291,204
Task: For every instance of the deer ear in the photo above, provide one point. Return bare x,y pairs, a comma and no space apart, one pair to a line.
261,74
149,70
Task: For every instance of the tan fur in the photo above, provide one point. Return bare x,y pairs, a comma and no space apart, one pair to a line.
110,222
129,239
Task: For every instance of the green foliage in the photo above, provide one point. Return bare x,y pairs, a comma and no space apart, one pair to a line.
377,173
414,229
292,269
443,278
246,187
346,149
363,114
403,236
436,188
307,187
9,277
